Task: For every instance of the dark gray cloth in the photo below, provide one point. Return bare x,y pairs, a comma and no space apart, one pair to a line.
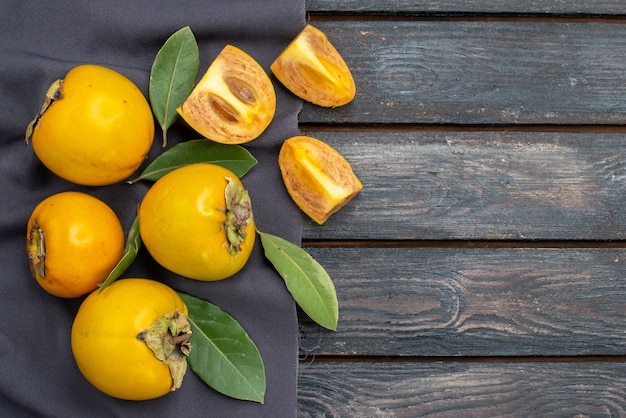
40,42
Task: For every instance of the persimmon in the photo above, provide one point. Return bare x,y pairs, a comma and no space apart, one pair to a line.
313,69
73,241
197,222
95,127
234,102
317,176
131,340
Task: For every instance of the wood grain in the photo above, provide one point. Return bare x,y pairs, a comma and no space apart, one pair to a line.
473,302
423,72
462,389
568,7
480,185
476,123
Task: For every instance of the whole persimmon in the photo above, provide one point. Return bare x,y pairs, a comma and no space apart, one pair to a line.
197,222
95,127
131,340
73,241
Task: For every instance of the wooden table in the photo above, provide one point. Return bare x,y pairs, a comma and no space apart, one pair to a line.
482,269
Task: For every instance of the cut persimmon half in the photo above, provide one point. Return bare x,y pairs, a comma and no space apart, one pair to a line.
312,69
234,101
317,177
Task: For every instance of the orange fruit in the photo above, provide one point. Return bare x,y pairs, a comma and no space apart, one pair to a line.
234,102
312,69
197,222
95,128
123,339
73,242
319,179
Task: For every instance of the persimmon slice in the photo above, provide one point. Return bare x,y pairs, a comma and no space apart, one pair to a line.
318,178
234,101
312,69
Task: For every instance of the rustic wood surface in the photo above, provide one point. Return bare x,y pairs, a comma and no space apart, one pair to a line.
480,185
474,302
465,389
480,72
548,7
482,269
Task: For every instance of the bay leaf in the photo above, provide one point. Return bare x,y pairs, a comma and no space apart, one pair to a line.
308,282
233,157
223,355
173,77
133,244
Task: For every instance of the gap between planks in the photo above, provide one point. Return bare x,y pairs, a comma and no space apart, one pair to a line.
465,17
462,244
312,358
346,127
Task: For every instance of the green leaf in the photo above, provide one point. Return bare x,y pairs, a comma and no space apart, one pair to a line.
307,281
173,76
133,244
223,355
233,157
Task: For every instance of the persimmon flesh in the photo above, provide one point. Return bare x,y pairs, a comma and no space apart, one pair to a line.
312,69
318,178
234,102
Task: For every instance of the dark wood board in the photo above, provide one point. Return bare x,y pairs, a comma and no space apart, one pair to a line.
529,389
477,72
569,7
423,185
473,302
481,271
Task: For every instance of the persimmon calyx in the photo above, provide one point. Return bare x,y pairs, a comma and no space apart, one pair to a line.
36,248
238,215
53,93
168,338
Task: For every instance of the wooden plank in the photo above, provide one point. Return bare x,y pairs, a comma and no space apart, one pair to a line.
473,302
568,7
422,185
461,72
410,390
